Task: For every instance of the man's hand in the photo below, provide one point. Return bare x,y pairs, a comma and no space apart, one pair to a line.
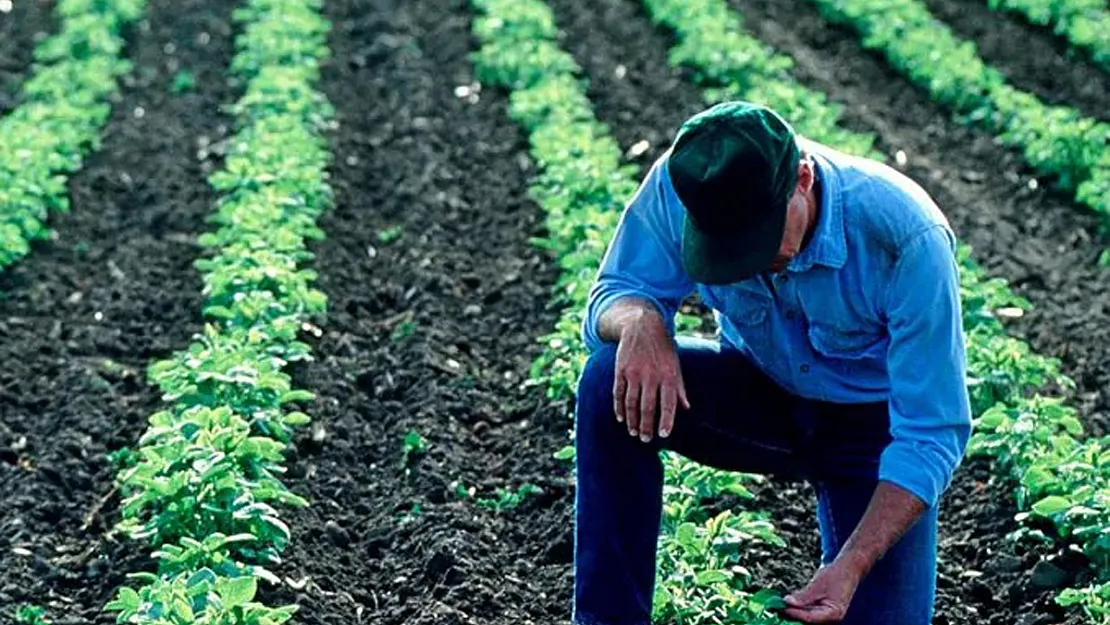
891,512
648,378
828,595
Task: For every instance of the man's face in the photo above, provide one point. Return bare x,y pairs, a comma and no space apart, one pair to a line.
798,218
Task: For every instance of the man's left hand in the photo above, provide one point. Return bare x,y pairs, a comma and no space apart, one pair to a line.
826,598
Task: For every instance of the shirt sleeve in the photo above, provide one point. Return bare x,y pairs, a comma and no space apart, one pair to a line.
644,257
930,413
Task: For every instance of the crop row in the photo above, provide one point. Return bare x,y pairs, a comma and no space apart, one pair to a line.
1056,140
582,188
57,124
1036,438
205,486
1084,23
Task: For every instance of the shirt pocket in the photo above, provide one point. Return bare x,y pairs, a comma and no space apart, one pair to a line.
742,307
850,348
749,315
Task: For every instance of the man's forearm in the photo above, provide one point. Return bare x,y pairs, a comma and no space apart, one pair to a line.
893,510
625,312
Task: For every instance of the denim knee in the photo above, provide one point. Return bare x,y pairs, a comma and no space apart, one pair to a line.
595,386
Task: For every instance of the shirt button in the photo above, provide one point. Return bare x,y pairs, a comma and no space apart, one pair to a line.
804,368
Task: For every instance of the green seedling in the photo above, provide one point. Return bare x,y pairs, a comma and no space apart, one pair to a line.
411,446
183,81
508,499
404,330
390,235
27,614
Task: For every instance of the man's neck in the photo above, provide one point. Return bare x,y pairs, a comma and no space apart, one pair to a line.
813,199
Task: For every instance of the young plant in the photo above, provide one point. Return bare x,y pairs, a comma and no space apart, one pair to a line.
390,235
413,445
199,598
27,614
508,499
183,81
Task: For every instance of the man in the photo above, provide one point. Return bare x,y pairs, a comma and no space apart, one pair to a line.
840,360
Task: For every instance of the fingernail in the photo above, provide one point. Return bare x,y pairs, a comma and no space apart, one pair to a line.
620,419
664,433
645,437
633,433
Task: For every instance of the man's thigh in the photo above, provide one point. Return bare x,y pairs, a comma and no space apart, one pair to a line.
739,418
901,587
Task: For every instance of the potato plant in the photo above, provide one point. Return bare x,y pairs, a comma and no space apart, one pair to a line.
57,123
206,490
1084,23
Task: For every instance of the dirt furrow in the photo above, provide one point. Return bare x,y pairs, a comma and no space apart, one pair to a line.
1031,58
24,25
85,313
436,300
642,98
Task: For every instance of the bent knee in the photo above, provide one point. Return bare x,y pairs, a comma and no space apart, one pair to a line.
595,386
599,372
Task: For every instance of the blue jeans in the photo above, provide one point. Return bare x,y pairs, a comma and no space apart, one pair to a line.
740,420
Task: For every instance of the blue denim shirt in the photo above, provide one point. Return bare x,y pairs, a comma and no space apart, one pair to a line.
869,311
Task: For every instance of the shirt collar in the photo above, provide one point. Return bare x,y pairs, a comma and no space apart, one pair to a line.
828,247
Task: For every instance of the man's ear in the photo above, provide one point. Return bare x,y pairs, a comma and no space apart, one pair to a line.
806,175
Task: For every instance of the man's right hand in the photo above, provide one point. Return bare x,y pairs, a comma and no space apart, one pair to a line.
648,377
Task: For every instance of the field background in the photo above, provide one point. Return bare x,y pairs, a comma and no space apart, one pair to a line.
436,332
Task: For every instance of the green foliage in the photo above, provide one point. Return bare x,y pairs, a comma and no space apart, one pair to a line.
1084,23
699,576
404,330
64,105
202,597
27,614
414,444
183,81
1094,600
390,235
205,490
1056,140
506,499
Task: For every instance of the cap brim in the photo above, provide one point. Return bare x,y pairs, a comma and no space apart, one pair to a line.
718,259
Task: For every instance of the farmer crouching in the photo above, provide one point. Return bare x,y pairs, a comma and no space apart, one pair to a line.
840,360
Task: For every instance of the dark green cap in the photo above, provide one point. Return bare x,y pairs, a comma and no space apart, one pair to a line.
734,167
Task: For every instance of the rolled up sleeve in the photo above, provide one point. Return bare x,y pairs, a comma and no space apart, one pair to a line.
643,259
930,413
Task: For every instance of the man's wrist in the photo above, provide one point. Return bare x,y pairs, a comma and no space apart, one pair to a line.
634,314
857,561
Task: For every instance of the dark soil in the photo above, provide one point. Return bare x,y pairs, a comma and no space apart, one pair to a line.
25,25
383,542
84,314
1036,238
1031,57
